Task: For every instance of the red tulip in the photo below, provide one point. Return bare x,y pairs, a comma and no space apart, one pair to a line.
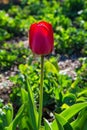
41,38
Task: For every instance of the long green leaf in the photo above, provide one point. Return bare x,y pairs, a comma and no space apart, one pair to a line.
70,112
59,122
54,125
83,93
8,109
80,121
24,123
47,125
16,120
33,114
63,124
24,95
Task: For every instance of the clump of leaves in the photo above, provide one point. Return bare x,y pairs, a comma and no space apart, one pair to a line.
12,54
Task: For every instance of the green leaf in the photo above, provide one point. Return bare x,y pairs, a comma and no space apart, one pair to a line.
24,95
8,109
54,61
63,124
24,125
17,119
54,125
59,122
81,99
29,111
80,121
47,125
70,112
49,67
83,93
69,99
33,114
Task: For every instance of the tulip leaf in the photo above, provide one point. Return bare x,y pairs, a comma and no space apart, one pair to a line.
83,93
33,114
59,123
16,120
54,125
8,109
24,95
80,121
81,99
63,124
47,125
73,110
24,123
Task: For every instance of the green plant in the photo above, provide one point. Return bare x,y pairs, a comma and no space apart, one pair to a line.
11,54
69,7
65,100
71,111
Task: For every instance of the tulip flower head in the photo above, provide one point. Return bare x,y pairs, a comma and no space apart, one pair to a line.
41,38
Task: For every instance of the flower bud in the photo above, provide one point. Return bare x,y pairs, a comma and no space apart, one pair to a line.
41,39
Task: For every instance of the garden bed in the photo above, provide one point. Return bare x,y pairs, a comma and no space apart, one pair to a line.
65,70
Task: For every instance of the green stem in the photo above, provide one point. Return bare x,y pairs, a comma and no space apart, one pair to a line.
41,93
